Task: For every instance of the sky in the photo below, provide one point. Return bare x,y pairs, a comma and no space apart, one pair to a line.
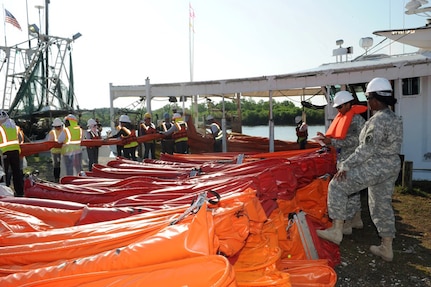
124,42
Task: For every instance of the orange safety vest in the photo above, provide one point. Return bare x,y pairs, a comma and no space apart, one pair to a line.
341,123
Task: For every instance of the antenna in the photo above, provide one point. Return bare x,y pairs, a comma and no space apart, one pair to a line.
414,7
340,51
366,43
39,7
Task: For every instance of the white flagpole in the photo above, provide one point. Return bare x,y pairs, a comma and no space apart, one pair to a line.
191,39
4,25
191,56
28,34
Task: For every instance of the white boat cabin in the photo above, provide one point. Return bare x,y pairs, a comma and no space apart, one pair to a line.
410,75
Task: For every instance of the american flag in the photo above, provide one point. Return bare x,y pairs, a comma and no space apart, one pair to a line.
191,17
11,19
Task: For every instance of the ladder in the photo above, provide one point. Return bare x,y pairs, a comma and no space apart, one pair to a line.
58,66
10,77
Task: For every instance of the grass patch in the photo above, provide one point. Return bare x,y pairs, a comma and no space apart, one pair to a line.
419,188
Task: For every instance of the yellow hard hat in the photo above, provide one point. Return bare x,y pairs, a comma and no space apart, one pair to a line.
147,116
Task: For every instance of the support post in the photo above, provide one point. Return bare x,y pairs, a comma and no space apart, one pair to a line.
148,94
111,108
271,124
407,174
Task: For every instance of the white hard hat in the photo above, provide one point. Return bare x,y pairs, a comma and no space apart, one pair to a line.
91,122
70,117
210,117
176,116
298,119
57,122
342,97
125,119
381,86
3,115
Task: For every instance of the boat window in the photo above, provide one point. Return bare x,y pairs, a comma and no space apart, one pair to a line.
333,90
411,86
359,91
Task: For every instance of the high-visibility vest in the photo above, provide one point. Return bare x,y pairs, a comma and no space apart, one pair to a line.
9,139
54,133
165,126
149,129
219,134
73,139
181,133
94,135
131,134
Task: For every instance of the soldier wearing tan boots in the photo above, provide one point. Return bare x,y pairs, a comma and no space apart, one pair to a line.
374,164
343,136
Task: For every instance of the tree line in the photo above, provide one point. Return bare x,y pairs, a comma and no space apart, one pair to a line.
253,113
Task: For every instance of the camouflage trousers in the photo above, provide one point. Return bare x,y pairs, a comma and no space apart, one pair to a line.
353,205
379,176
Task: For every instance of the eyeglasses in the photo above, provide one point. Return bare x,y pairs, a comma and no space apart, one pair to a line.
340,106
369,97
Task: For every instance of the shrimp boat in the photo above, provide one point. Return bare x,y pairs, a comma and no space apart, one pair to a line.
37,81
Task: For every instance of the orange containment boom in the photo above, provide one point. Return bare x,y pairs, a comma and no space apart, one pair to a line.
43,146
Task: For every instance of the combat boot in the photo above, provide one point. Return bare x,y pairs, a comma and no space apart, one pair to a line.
384,250
356,223
57,172
334,233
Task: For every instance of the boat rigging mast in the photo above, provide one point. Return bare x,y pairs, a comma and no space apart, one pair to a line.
38,81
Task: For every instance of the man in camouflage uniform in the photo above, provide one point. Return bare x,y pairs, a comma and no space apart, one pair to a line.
343,135
374,164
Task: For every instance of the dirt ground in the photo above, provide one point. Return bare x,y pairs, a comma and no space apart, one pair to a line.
412,246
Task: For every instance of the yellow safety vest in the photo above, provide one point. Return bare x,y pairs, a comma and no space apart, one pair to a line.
131,133
73,139
55,133
181,134
9,139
